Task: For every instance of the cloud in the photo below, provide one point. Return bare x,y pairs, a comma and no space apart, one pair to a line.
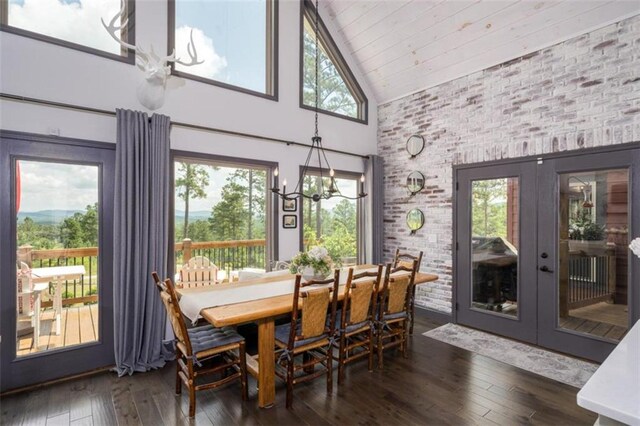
213,64
57,186
77,22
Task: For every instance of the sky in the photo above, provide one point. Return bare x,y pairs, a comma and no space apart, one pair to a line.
57,186
229,35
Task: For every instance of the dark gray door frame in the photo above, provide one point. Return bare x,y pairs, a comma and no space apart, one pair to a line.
522,327
51,365
549,333
634,267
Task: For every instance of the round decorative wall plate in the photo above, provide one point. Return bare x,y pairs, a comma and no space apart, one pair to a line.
415,145
415,182
415,220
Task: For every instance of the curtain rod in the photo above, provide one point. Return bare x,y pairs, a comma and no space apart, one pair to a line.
45,102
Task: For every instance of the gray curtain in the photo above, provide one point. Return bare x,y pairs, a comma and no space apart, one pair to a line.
373,218
141,239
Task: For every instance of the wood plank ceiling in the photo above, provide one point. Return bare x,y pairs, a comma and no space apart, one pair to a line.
403,46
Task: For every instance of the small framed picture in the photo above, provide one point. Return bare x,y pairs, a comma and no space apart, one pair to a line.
289,221
289,204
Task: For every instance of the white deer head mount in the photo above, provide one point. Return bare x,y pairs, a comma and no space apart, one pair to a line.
156,68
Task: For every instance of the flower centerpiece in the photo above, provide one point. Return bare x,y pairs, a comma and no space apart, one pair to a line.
635,246
313,264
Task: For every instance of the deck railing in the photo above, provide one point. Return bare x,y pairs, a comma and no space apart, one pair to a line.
227,255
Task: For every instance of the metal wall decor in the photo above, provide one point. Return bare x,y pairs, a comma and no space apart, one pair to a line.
415,220
415,145
415,182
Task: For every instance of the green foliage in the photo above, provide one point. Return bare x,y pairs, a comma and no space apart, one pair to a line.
191,182
489,208
334,94
335,229
200,230
81,229
229,217
582,227
40,236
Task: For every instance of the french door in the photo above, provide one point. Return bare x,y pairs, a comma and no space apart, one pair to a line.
56,296
542,250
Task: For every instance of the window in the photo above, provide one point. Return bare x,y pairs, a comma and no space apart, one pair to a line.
70,23
236,40
332,223
222,213
339,92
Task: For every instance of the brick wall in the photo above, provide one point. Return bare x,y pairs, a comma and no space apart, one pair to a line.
581,93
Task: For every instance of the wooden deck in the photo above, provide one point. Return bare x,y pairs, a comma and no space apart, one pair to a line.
78,325
601,319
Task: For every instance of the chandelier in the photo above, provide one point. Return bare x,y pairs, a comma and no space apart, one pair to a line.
328,187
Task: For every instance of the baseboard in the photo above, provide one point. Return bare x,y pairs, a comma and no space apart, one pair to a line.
438,316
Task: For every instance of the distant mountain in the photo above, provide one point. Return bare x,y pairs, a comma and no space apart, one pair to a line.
48,217
193,215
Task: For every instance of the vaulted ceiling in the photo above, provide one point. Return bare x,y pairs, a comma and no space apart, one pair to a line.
403,46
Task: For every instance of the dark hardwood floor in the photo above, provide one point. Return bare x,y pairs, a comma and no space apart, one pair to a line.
438,384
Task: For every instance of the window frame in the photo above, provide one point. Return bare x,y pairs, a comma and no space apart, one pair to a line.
129,58
271,209
308,10
339,174
272,38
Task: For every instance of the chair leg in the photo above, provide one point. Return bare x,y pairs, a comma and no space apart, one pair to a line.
341,359
178,381
370,349
243,371
329,372
405,338
289,403
192,398
380,356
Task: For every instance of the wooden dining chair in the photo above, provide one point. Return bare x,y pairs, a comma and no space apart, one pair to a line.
355,332
407,259
308,336
202,351
394,310
199,271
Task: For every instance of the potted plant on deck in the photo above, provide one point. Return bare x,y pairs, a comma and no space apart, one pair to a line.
585,235
314,264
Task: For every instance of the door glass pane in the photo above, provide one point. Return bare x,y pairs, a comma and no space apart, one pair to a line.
494,242
220,222
57,257
332,223
592,247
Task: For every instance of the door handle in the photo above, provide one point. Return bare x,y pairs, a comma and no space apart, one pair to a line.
545,268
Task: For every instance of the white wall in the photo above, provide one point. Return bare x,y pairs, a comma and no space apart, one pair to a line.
41,70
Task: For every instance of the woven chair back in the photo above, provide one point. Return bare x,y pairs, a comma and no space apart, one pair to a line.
360,301
311,306
397,294
314,312
198,272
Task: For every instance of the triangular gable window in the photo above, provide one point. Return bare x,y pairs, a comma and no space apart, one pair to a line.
339,92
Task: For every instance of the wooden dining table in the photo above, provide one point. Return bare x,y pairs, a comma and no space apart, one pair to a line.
264,312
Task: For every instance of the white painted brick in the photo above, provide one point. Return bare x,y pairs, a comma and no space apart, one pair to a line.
566,97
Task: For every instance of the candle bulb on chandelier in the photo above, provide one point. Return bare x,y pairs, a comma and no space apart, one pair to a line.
362,184
284,186
276,172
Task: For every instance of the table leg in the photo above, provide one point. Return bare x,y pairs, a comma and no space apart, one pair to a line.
266,363
36,318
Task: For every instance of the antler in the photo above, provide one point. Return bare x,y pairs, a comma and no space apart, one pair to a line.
193,54
141,55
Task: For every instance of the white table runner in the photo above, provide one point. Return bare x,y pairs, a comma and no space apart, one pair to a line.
192,301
